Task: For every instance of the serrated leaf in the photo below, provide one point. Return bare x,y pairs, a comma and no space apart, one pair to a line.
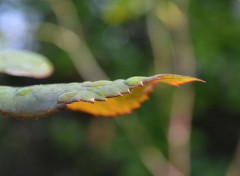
102,98
24,63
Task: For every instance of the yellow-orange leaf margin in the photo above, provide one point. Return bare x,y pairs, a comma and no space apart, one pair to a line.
125,102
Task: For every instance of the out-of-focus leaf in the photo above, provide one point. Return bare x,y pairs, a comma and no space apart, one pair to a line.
103,98
120,11
24,63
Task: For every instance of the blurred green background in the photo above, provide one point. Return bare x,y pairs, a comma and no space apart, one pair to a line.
191,130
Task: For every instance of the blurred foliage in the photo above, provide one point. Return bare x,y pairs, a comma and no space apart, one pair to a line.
116,33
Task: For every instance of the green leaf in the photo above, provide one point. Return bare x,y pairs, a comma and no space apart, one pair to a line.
24,63
102,98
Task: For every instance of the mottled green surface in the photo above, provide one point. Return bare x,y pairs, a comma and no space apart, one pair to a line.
42,100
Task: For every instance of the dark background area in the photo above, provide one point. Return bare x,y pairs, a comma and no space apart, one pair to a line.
191,130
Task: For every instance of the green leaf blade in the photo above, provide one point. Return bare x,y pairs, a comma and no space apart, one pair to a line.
25,63
101,98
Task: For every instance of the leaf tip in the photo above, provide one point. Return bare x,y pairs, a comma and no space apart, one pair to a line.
176,80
